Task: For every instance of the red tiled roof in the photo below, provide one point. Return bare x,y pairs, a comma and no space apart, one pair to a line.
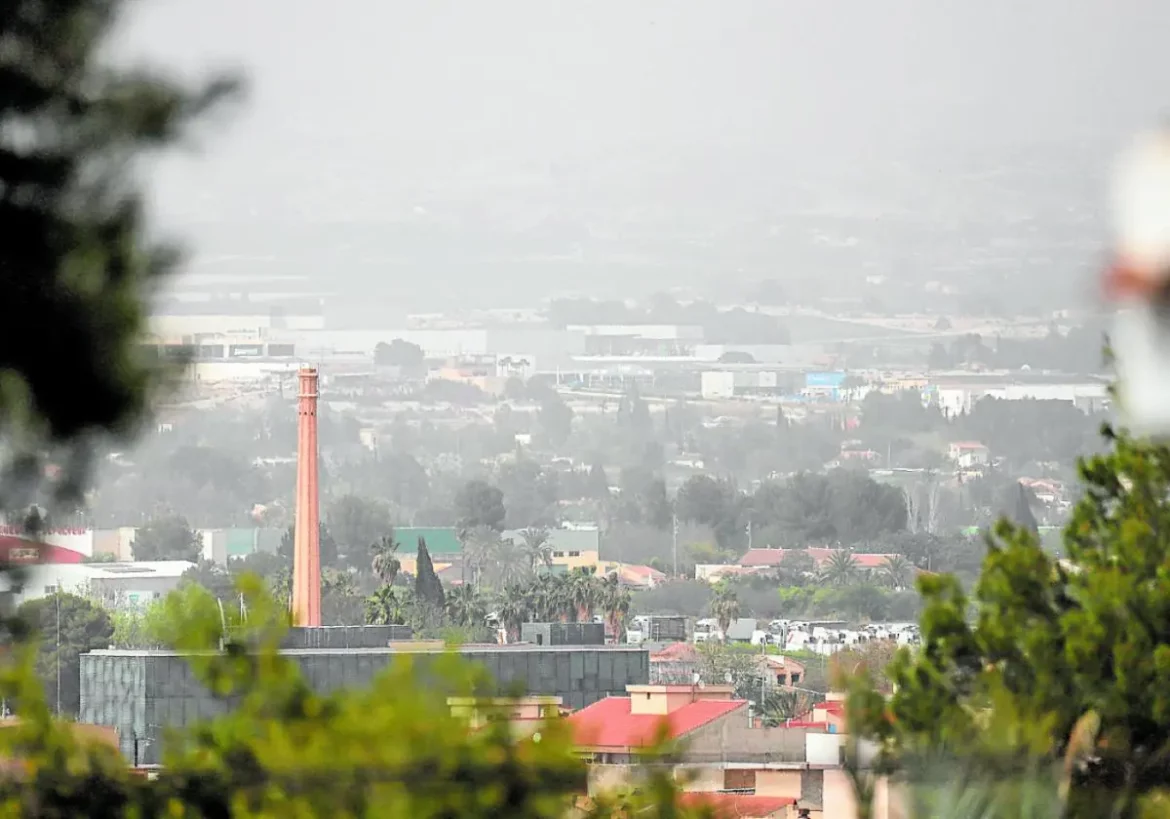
674,653
772,557
872,561
735,805
638,575
762,557
608,723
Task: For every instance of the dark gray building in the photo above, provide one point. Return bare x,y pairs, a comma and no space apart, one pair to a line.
563,634
140,693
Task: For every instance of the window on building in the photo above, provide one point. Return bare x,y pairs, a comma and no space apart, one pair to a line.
558,554
50,589
795,677
574,554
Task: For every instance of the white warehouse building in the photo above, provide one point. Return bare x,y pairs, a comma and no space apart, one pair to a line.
958,399
119,585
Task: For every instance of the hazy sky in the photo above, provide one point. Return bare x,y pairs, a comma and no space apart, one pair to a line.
375,101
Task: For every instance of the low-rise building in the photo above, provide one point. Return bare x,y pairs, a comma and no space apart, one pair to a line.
144,693
724,757
118,585
968,454
443,544
772,558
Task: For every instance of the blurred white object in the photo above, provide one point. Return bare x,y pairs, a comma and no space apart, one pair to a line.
1138,280
1141,346
1140,267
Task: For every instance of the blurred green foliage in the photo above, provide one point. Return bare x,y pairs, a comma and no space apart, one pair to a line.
75,261
1050,666
284,750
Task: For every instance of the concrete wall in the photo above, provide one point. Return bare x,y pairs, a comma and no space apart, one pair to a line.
838,798
141,693
345,636
673,672
779,783
563,634
704,778
604,778
731,739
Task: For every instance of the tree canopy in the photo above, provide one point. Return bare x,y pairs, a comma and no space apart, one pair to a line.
1044,648
166,538
75,258
68,626
284,749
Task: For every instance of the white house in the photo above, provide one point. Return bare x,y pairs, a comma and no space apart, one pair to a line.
968,454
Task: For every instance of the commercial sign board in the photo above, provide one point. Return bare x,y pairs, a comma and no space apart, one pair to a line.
824,380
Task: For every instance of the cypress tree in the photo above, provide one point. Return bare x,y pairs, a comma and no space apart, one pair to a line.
428,589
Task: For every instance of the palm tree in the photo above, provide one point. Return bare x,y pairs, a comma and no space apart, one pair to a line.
898,572
384,562
840,569
514,606
387,606
508,563
465,606
779,706
725,607
614,600
583,594
552,598
479,547
537,546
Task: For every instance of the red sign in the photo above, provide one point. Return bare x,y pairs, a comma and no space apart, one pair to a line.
19,531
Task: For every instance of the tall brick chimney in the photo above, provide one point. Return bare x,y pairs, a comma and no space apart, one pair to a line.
306,587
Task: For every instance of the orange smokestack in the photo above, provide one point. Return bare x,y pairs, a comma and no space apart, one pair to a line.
306,588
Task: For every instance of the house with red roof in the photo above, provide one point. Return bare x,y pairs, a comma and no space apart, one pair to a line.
968,454
772,558
617,729
720,755
633,575
675,664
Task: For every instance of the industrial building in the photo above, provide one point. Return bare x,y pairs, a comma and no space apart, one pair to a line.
117,585
142,693
957,395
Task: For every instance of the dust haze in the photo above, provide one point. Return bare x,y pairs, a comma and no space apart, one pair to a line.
429,154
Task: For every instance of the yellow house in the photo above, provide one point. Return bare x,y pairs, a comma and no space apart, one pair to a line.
571,548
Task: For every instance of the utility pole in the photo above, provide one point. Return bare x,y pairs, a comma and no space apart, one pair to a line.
674,540
57,653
